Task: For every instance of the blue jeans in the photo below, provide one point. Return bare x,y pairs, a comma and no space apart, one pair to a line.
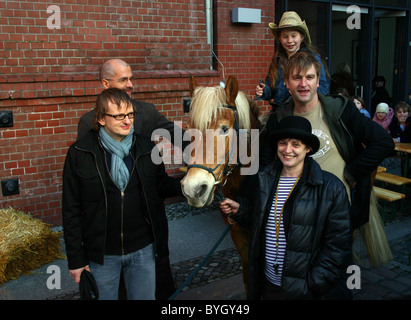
138,271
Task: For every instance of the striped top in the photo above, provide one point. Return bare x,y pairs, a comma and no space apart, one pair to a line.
272,255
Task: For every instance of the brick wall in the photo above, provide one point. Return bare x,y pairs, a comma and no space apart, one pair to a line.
49,76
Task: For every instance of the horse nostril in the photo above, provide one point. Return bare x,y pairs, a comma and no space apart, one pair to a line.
202,190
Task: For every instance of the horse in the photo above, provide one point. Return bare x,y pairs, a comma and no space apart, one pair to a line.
227,112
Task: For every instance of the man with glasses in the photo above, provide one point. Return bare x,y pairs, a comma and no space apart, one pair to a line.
116,73
113,211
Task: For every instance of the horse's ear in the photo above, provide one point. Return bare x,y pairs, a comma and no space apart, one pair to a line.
193,85
231,90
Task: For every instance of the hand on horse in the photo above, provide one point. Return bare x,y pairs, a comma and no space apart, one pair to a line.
229,206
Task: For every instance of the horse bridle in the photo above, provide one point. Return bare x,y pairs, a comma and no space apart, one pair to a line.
228,169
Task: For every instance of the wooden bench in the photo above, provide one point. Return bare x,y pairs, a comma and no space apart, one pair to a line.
381,169
392,179
388,196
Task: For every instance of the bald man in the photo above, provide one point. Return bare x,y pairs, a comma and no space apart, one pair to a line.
116,73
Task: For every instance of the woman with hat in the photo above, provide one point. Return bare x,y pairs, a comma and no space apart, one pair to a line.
298,217
291,35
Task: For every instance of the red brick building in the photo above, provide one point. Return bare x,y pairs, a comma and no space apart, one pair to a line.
49,62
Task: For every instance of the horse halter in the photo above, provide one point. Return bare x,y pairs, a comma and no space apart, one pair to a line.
227,169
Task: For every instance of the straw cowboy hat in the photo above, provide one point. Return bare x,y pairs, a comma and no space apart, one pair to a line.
292,20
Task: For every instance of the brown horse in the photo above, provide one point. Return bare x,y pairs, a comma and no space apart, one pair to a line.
222,119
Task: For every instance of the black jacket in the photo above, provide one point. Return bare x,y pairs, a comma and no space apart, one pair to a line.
361,142
317,228
85,198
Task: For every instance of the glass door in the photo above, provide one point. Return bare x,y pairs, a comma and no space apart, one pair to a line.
391,54
350,50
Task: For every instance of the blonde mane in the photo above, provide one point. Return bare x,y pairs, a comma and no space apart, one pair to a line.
207,103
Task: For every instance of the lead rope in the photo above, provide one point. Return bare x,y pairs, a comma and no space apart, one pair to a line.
194,273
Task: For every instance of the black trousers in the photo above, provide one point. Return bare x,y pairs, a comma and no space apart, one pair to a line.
271,291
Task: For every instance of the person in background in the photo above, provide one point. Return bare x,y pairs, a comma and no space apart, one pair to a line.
400,129
379,93
343,92
301,245
342,78
291,36
359,103
116,73
114,217
383,115
400,126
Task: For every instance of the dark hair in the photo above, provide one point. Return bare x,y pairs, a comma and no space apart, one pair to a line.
301,61
114,95
361,100
343,92
378,78
402,105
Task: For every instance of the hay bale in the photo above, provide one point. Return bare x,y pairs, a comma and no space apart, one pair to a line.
26,243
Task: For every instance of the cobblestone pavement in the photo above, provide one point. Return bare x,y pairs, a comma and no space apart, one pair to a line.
391,281
221,265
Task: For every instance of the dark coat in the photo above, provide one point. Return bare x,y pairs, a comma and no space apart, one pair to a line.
317,228
85,197
351,131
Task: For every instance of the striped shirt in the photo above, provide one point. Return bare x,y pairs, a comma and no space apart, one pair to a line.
272,254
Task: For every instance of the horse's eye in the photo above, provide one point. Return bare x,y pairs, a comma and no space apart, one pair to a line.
224,130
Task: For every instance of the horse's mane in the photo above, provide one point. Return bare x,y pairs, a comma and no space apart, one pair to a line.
207,103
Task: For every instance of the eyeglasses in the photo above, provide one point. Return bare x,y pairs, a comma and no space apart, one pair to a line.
121,116
123,80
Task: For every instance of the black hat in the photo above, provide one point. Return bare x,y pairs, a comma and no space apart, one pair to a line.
88,287
297,128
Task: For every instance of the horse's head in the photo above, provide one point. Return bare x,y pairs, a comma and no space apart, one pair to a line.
216,115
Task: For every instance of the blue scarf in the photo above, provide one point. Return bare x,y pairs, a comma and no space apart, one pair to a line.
118,151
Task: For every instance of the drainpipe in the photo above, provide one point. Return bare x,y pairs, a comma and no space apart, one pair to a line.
209,28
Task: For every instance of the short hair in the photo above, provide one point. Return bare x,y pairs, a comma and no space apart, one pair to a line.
301,61
404,106
378,78
114,95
